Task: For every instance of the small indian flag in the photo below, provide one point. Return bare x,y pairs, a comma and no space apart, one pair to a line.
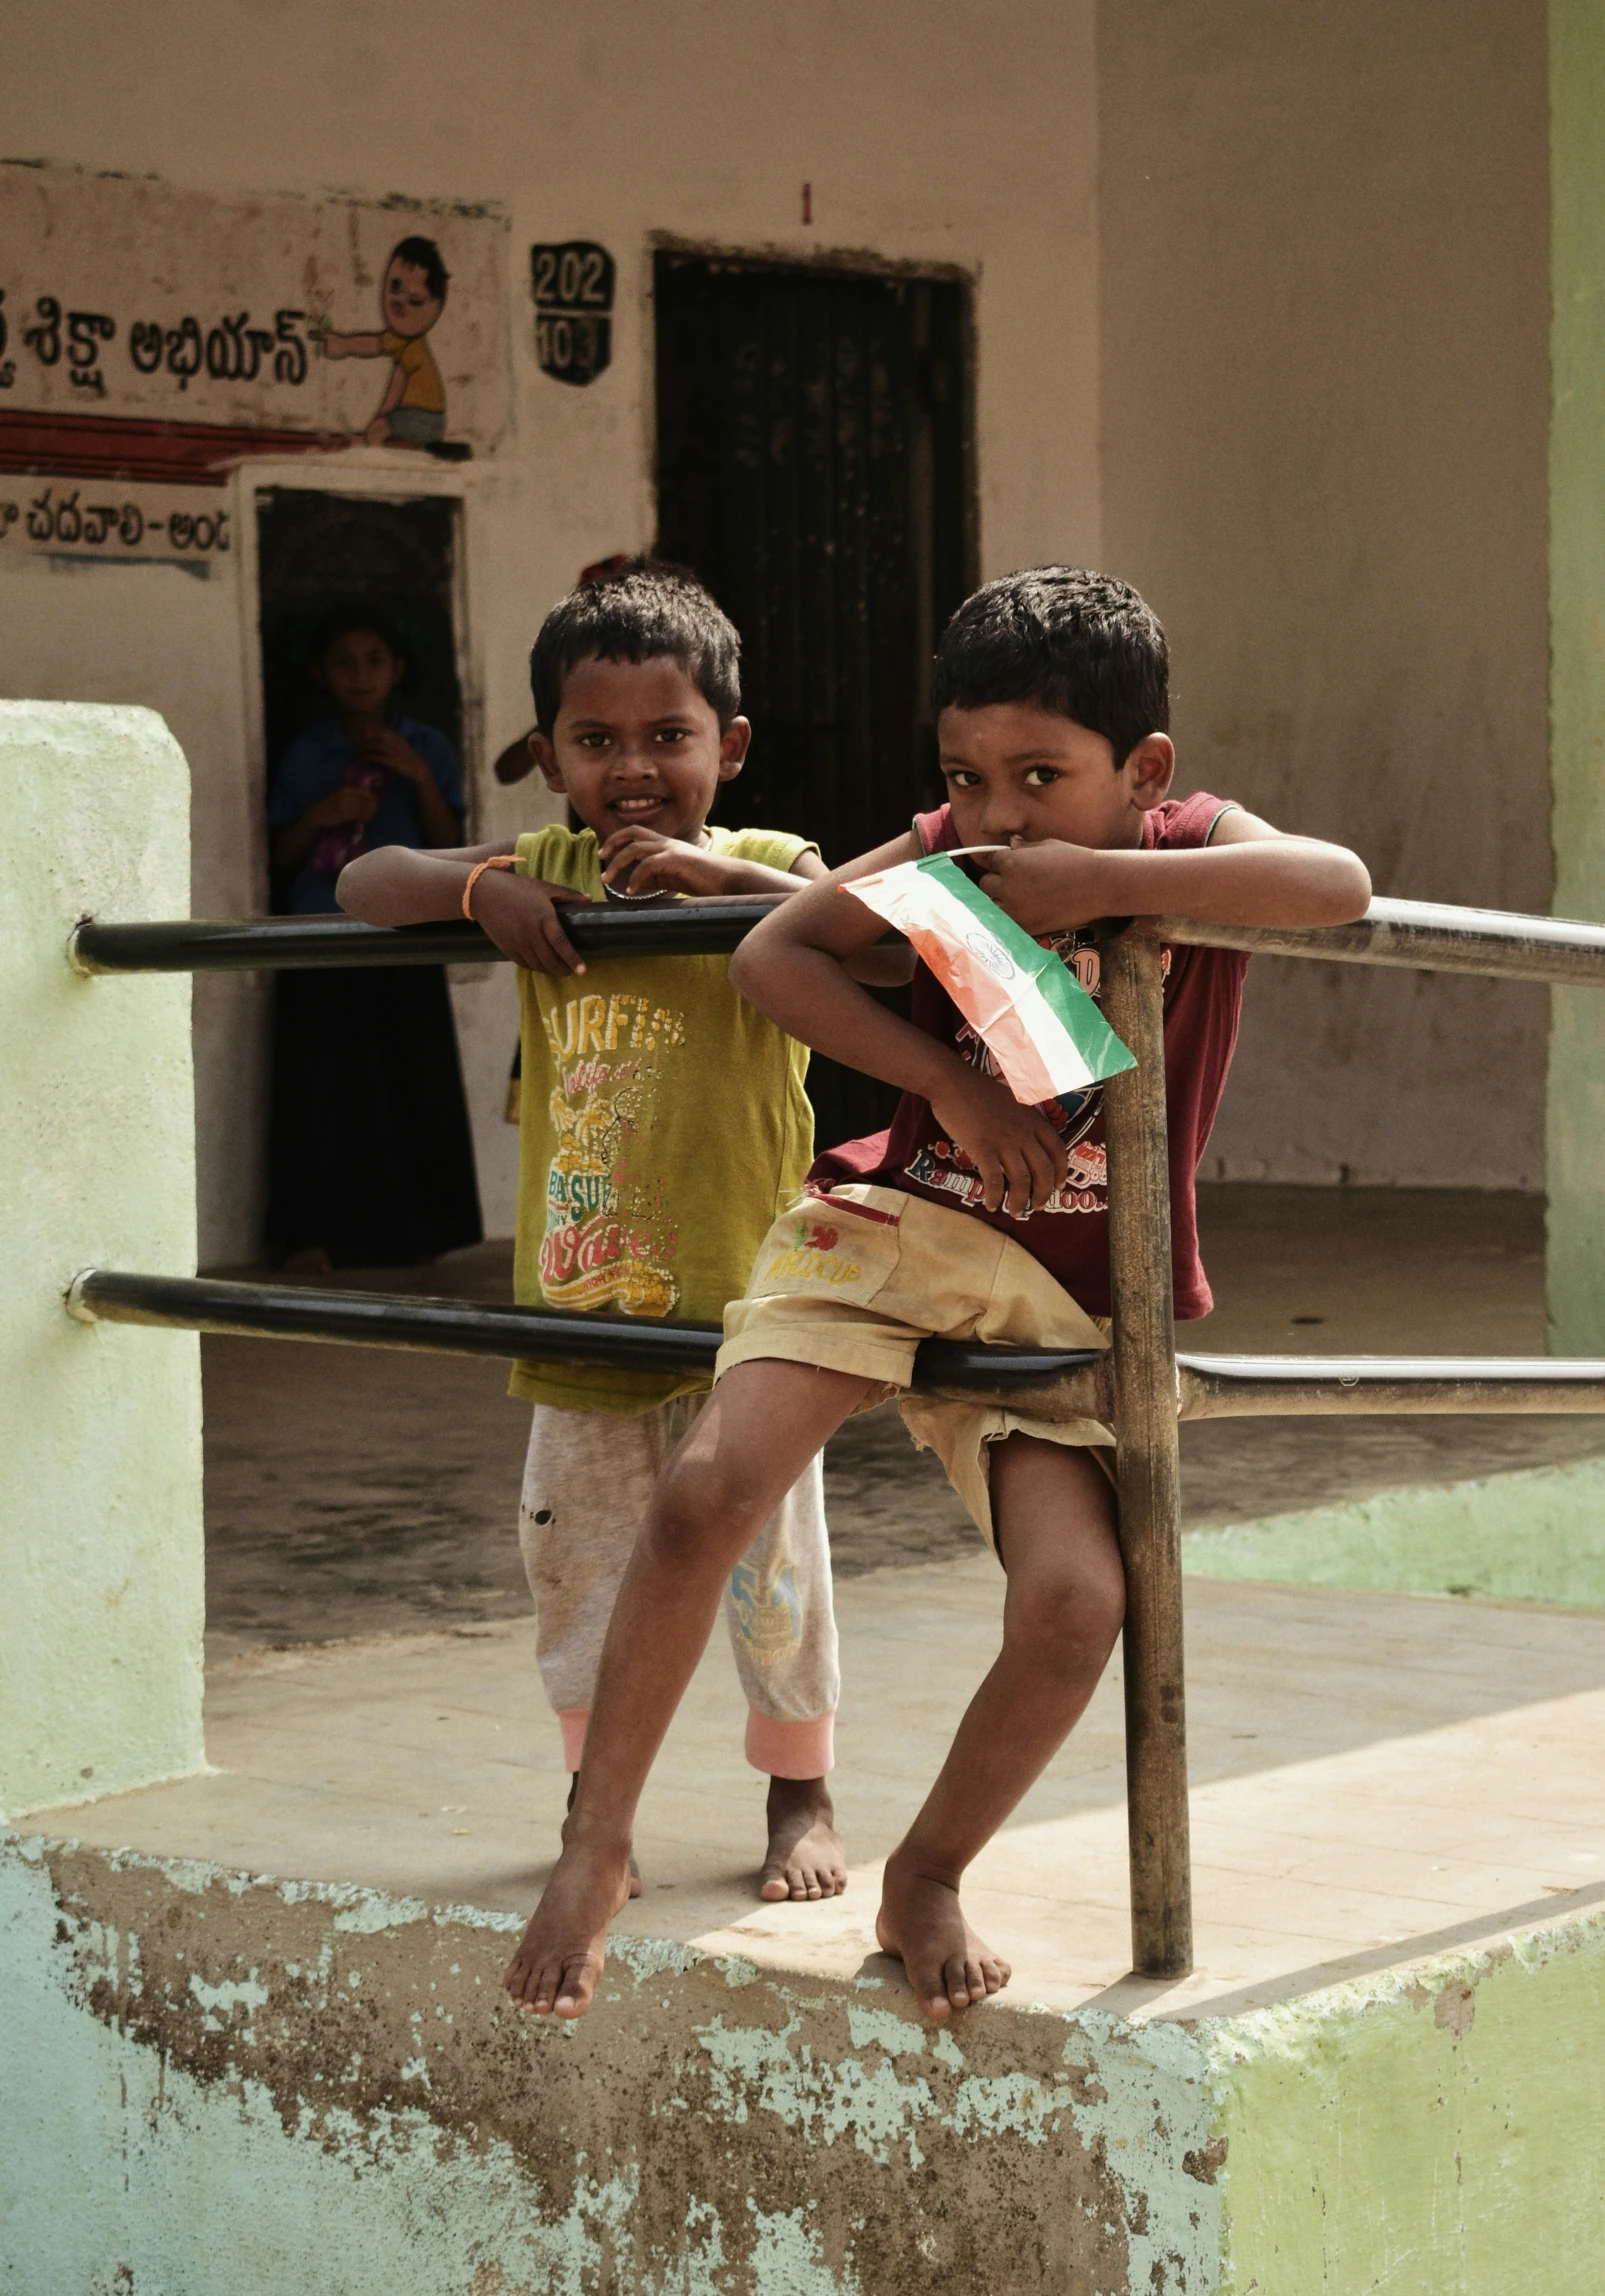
1041,1027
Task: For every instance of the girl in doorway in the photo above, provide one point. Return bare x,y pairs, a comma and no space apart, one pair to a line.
371,1159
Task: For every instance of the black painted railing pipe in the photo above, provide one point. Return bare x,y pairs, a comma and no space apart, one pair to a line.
296,944
1046,1383
1421,935
1057,1384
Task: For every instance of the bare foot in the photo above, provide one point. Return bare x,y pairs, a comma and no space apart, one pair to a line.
561,1953
635,1871
806,1858
922,1925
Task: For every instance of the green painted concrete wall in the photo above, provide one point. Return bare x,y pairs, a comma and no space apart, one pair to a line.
1576,1116
1439,2132
101,1593
1538,1536
219,2086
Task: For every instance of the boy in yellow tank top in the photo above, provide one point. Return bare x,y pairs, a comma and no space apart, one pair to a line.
663,1127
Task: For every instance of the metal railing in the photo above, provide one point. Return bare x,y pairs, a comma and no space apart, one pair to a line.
1057,1386
1140,1388
294,944
1423,936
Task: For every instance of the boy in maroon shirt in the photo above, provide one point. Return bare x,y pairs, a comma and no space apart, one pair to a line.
971,1217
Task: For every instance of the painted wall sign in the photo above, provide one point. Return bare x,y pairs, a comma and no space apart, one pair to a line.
116,522
156,332
573,283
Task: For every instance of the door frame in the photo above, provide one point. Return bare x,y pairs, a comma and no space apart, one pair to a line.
369,472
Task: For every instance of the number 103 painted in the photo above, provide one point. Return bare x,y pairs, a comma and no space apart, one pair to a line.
572,283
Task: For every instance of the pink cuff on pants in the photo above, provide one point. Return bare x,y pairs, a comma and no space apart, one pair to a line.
571,1720
778,1749
791,1749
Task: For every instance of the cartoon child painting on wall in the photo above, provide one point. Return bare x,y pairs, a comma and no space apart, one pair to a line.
413,409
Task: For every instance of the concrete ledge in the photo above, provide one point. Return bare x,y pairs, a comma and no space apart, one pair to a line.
1437,2130
1536,1536
239,2087
252,2087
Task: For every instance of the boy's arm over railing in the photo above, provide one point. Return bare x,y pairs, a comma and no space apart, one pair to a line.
398,885
1248,873
797,967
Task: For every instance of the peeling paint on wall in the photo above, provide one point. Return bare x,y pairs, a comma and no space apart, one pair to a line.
224,2086
236,2074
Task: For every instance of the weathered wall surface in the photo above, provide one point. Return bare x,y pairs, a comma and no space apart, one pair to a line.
167,638
100,1508
225,2088
1577,696
1437,2131
615,124
1325,401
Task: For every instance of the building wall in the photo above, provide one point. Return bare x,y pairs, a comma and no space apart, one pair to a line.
1577,695
170,639
226,2086
102,1592
615,124
1325,404
1282,361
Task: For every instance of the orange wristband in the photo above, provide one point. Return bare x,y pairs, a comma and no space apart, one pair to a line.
496,861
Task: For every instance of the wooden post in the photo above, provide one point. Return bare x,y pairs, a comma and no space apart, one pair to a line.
1147,1461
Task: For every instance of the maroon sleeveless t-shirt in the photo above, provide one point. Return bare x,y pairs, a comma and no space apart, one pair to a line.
1070,1236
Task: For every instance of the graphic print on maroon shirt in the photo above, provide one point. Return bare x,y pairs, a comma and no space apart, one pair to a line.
1070,1235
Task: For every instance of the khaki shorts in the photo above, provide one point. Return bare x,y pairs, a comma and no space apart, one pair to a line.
854,1280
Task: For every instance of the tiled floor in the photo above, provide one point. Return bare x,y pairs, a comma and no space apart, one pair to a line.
1377,1778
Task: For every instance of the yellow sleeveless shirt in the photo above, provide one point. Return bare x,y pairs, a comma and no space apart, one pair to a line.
662,1126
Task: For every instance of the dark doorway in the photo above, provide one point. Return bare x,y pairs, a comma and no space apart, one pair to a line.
318,553
370,1151
812,469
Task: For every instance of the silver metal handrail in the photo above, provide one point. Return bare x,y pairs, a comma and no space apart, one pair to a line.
1424,936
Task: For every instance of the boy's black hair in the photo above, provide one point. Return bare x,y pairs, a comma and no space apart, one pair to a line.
636,611
424,256
344,619
1078,643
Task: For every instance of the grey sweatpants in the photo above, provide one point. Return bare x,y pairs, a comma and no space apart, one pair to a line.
588,1479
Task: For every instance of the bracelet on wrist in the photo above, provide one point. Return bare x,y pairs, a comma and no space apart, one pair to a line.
495,861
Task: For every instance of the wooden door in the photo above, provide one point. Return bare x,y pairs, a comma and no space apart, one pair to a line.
812,470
